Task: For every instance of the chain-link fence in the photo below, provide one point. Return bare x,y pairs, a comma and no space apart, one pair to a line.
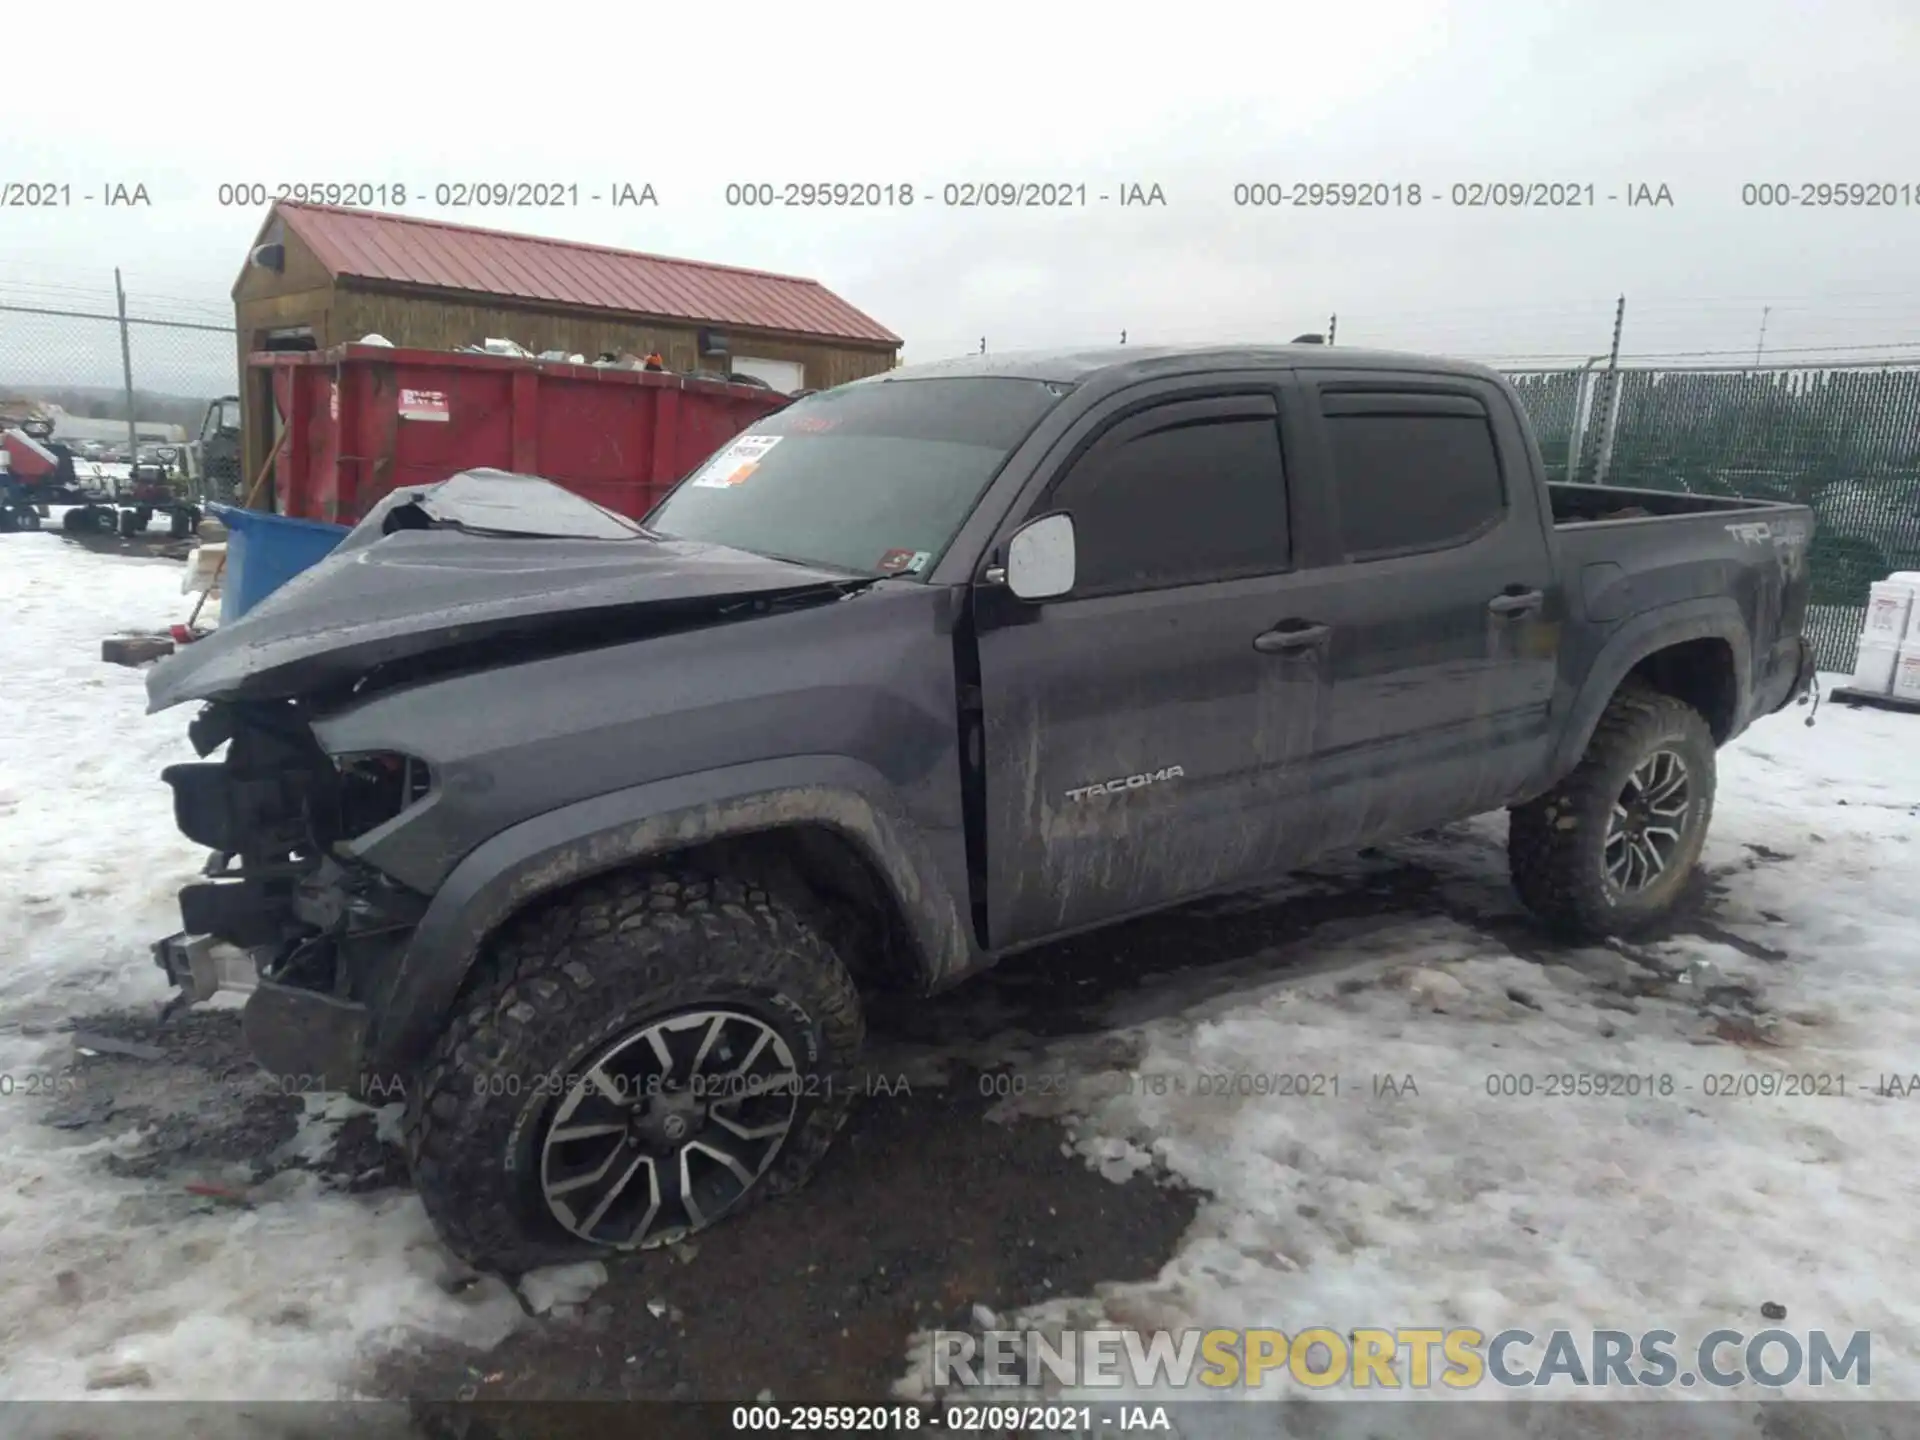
116,394
1844,440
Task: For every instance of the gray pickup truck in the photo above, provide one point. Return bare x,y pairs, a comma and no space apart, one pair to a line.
592,835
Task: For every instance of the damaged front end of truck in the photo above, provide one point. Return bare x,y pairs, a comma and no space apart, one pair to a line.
325,849
283,910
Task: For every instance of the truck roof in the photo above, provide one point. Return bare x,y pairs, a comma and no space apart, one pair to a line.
1126,363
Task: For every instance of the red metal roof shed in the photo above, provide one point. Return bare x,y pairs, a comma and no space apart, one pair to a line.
404,249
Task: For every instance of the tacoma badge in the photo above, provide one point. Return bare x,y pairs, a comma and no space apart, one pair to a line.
1129,782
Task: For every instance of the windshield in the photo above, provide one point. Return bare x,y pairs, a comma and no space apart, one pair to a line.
872,478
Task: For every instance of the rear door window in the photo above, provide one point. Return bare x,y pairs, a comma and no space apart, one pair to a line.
1411,472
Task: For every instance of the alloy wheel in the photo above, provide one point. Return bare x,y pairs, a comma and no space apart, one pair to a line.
668,1128
1648,823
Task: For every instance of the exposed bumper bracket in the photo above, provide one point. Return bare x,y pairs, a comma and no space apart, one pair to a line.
202,966
306,1040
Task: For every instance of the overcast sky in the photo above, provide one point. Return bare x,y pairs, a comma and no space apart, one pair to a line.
1702,96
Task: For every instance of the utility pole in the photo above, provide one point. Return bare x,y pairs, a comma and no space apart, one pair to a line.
1603,455
1761,344
1123,337
983,344
126,371
1333,323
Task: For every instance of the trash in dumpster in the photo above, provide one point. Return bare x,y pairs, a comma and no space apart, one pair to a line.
497,347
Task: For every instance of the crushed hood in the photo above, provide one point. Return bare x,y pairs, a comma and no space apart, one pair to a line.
485,556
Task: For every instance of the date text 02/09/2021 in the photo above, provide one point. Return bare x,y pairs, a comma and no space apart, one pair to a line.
1061,194
951,1419
446,195
1459,195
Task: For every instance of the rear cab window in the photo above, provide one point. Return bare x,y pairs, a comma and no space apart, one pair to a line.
1412,472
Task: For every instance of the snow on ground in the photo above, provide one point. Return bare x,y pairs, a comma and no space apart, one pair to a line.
101,1273
1447,1206
1460,1207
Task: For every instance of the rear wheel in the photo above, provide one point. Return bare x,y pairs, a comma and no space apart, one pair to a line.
1610,849
628,1065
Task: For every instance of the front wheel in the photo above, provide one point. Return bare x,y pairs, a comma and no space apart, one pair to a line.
630,1064
1609,850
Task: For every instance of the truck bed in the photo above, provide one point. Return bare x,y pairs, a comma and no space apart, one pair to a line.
1606,504
1627,553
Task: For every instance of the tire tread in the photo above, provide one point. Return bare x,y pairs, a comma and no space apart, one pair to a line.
649,938
1545,855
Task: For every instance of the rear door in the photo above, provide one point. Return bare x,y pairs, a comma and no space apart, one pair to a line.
1141,738
1445,624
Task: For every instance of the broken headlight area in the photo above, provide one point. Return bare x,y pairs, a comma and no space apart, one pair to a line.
376,788
278,798
273,811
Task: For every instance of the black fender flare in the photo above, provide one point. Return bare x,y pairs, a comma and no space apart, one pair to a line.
611,831
1711,618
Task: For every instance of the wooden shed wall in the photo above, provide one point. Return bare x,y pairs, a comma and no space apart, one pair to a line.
438,322
264,300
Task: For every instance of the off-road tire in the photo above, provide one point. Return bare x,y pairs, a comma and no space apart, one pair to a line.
1556,843
567,978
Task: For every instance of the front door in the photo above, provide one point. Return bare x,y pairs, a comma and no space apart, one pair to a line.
1138,729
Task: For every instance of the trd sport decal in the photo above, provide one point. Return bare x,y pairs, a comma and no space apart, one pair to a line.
1784,533
1126,782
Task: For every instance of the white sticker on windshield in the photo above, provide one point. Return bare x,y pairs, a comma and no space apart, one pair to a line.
734,464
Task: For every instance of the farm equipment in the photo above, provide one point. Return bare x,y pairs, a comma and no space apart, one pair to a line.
147,490
213,460
35,472
130,506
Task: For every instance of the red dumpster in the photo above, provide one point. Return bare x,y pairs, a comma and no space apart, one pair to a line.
363,420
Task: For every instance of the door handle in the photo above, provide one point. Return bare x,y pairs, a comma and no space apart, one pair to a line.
1522,602
1291,638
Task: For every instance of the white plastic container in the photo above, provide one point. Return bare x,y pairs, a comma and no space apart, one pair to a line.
1890,610
1910,579
205,567
1874,667
1906,674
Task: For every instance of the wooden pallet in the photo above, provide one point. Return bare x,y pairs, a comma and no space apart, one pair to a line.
1846,695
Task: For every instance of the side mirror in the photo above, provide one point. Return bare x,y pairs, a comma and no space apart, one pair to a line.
1040,559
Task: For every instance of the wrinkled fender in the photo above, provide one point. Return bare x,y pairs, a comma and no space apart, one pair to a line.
1712,618
613,830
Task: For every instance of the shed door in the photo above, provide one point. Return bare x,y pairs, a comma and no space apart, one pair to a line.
786,376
